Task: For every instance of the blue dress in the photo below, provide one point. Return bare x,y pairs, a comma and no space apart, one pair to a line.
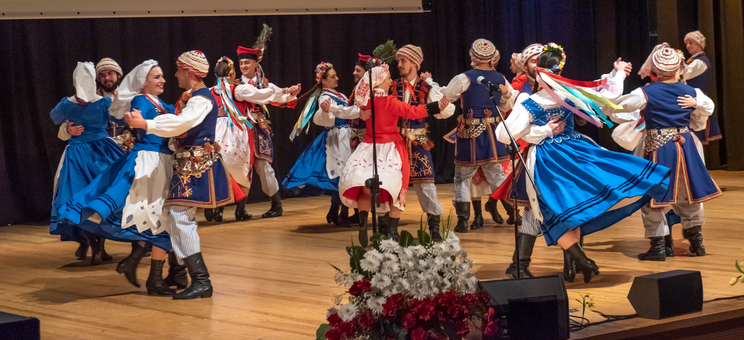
109,193
309,173
580,184
85,157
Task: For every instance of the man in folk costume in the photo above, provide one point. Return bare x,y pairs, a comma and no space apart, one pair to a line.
200,179
475,146
258,93
411,89
697,74
669,108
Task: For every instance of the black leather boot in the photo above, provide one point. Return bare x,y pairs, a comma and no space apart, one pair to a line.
569,268
510,270
177,275
240,213
463,215
657,252
343,217
200,287
208,214
492,209
392,231
510,211
478,216
669,243
276,207
695,236
526,244
354,219
105,257
217,216
583,263
155,284
433,221
383,223
332,215
95,249
82,252
128,266
363,237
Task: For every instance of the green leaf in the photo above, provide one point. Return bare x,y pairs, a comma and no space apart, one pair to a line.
356,254
738,268
376,239
320,334
335,267
424,238
406,239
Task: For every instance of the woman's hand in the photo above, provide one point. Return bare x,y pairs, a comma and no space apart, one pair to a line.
364,115
294,90
557,126
326,105
76,130
687,101
621,66
443,103
425,75
134,120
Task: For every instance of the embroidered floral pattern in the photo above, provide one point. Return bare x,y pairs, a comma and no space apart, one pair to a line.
420,165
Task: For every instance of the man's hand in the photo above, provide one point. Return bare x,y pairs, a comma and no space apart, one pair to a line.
76,130
364,115
294,90
326,105
621,66
425,75
557,126
443,103
134,119
687,101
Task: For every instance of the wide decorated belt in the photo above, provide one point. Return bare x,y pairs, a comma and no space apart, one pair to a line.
195,160
261,120
656,138
473,127
125,140
417,136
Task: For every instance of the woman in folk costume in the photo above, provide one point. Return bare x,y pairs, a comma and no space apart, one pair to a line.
392,157
669,109
580,188
125,202
322,162
233,134
86,155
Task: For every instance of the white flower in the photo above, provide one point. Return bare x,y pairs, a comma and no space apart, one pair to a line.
370,264
380,281
374,254
389,246
418,250
348,311
375,304
331,311
390,268
469,285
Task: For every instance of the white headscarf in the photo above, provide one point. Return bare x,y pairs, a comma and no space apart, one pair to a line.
130,87
648,65
84,81
361,92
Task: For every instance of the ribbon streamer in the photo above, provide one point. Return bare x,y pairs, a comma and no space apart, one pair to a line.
307,113
560,101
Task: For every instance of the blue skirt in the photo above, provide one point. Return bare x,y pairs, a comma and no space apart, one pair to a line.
82,163
107,195
310,171
583,185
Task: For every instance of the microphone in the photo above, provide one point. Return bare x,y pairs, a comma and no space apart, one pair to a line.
491,87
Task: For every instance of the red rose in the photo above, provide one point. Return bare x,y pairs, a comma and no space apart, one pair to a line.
409,320
334,319
366,320
347,328
360,287
420,334
425,310
392,304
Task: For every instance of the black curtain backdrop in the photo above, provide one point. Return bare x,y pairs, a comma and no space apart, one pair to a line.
38,58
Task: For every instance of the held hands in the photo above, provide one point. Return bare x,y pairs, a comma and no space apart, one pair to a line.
76,130
134,119
425,75
292,90
621,66
364,115
443,103
684,102
326,105
557,126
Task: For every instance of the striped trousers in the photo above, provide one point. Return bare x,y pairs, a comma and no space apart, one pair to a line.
427,197
529,225
265,172
464,174
181,227
655,222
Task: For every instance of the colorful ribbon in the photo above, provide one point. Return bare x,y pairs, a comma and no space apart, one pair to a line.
307,112
563,103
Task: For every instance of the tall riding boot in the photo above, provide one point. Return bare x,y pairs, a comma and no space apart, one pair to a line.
669,243
177,275
383,223
583,263
526,244
128,266
392,231
208,214
200,287
463,215
332,215
218,214
494,210
82,252
569,268
105,257
657,252
513,265
155,284
478,216
240,213
695,236
95,249
363,237
510,211
276,207
434,227
354,219
343,217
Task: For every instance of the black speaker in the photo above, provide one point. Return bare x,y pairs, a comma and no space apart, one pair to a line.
535,308
14,327
671,293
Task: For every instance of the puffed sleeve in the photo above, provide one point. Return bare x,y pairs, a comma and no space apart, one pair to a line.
196,109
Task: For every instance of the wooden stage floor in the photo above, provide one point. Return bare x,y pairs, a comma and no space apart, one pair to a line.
273,280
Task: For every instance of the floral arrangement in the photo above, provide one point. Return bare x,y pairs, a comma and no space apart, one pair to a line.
410,289
739,278
553,47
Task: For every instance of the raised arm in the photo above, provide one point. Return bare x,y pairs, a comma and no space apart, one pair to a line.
633,101
456,87
435,94
250,93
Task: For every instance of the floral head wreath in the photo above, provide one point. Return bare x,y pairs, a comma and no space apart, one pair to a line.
553,47
321,70
229,62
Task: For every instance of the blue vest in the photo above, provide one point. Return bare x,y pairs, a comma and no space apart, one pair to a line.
476,97
662,110
701,81
145,141
203,132
542,116
342,102
414,98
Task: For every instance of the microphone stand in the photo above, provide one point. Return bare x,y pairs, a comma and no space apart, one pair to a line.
513,152
373,184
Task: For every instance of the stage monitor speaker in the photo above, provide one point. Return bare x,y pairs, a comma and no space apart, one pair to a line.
667,294
16,327
535,308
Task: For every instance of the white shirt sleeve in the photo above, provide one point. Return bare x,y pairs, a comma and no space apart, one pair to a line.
612,89
456,87
633,101
281,97
251,94
434,96
508,97
321,117
62,134
344,112
694,69
519,123
196,109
